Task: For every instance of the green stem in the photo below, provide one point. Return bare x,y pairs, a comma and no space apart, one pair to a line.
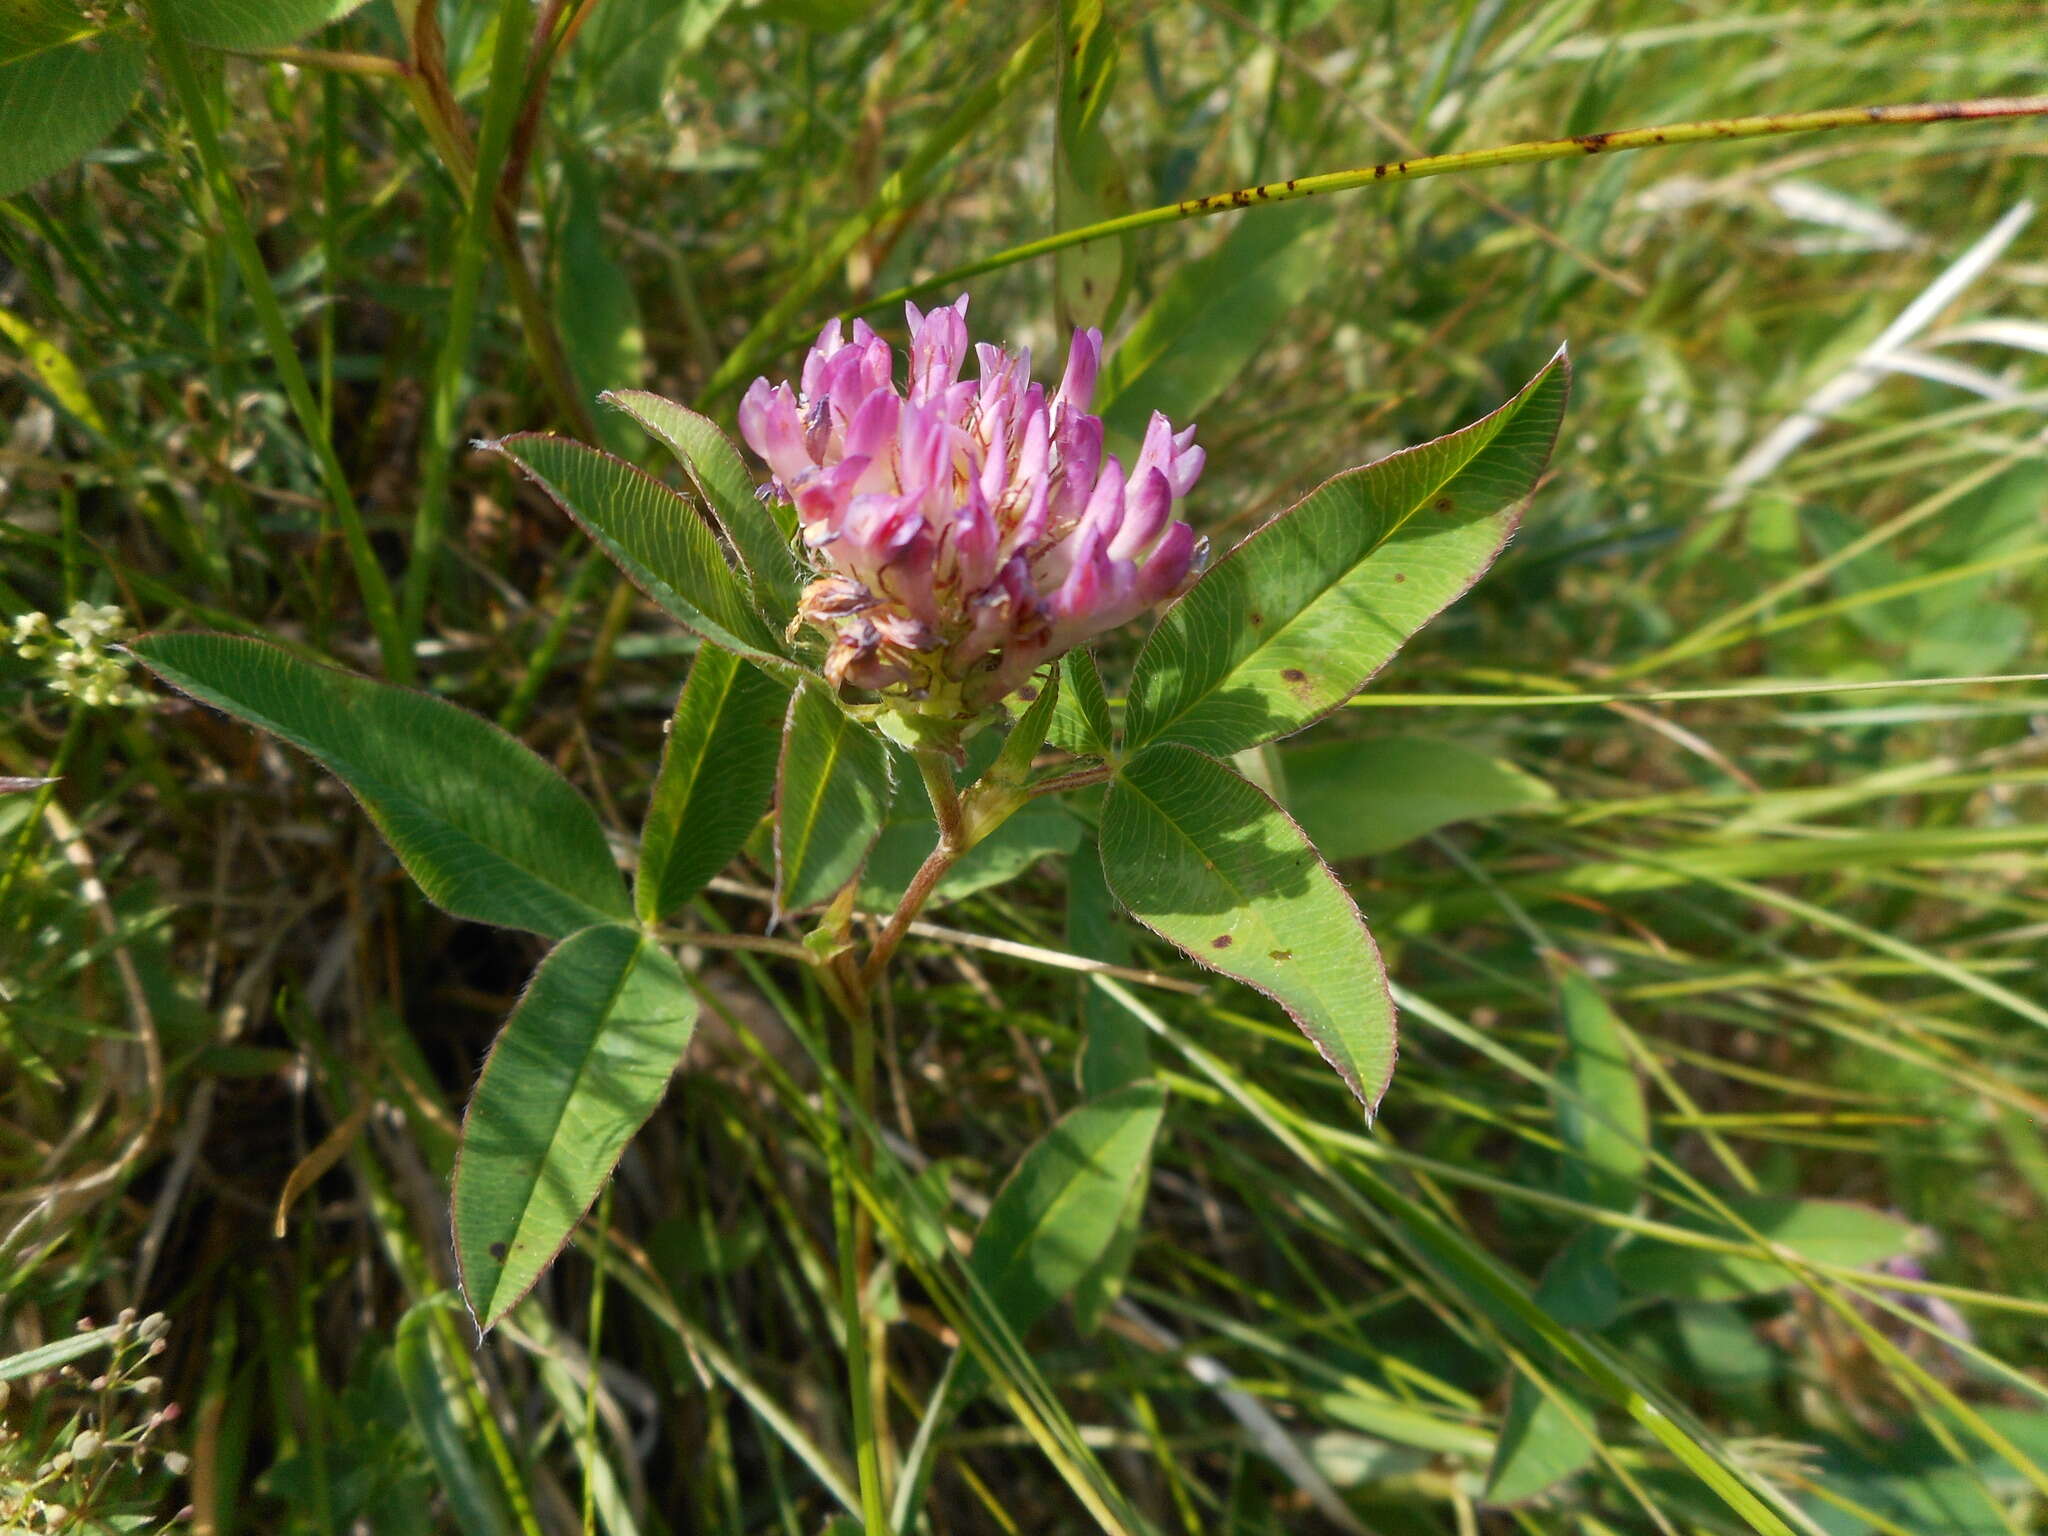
1452,163
853,1236
593,1336
241,242
501,105
542,662
25,834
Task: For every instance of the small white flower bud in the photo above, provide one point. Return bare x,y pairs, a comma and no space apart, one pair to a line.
177,1463
86,1446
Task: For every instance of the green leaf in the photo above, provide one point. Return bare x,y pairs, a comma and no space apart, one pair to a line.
1539,1445
253,23
716,782
441,1416
1299,616
574,1074
1208,862
595,307
1116,1048
629,53
490,832
1081,721
656,538
58,102
48,1357
1721,1348
832,796
1088,183
1059,1209
1103,1282
1027,733
1579,1287
1212,317
1601,1116
1042,829
1355,798
760,532
1828,1231
32,26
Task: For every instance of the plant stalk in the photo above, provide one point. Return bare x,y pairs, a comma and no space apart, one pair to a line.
501,104
1707,130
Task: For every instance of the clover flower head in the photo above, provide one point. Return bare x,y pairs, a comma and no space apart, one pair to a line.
966,531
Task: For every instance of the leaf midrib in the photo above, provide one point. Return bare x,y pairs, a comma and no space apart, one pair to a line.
374,792
555,1132
1272,637
1245,904
760,646
1061,1202
115,29
817,797
696,772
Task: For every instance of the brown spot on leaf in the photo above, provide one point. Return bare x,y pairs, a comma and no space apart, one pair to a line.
1221,941
1295,675
1279,954
1444,503
1399,577
1254,618
498,1252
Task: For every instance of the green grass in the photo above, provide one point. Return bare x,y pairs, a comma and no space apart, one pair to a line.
1814,917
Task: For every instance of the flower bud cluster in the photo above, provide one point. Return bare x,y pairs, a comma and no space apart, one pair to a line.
76,653
965,531
93,1456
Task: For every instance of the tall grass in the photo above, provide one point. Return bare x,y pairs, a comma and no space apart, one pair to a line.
1756,928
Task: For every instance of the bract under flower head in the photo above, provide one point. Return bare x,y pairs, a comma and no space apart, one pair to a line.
965,531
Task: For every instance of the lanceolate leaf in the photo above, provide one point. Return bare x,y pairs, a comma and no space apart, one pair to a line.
1081,722
1040,830
832,796
1540,1445
488,830
596,310
439,1409
1830,1231
1299,616
1058,1211
656,537
1088,184
253,23
1367,796
1206,860
57,102
1605,1122
576,1071
760,534
1116,1048
1212,317
717,779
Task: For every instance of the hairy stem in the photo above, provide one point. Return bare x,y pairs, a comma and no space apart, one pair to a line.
1456,161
